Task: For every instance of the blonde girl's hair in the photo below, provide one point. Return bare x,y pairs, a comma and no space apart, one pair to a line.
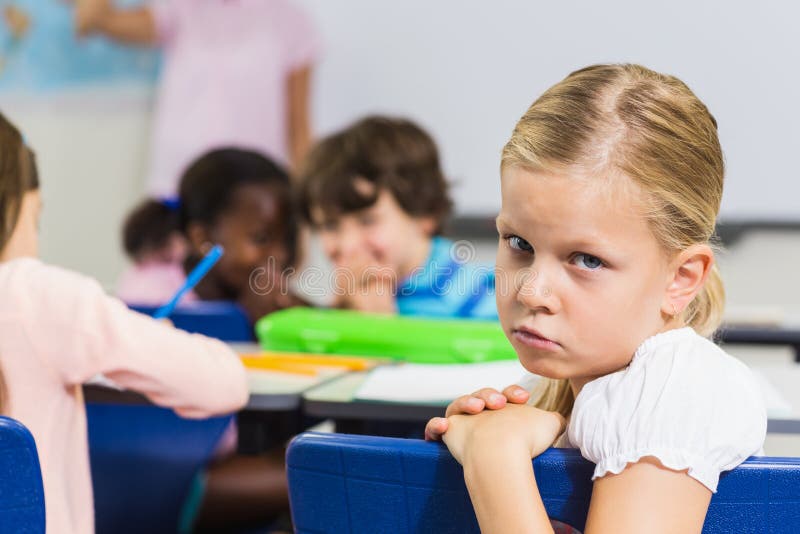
17,176
627,119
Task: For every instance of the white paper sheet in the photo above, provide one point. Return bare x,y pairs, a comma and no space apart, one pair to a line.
424,383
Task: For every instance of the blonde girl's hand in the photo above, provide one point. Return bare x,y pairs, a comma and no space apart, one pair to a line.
483,399
516,428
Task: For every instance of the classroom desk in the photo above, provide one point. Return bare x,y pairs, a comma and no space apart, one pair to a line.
268,392
334,400
273,413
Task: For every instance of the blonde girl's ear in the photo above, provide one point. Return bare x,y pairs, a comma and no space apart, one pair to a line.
687,276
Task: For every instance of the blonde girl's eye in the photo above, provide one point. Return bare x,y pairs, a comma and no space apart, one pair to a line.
517,243
588,262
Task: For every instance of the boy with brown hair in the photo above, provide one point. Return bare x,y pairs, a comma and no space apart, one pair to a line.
376,194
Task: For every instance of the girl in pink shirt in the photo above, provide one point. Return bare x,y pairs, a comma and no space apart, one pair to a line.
58,329
241,200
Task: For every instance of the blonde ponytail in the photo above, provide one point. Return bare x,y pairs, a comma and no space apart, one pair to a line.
553,395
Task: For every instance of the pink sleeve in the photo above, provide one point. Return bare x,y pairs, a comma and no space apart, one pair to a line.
82,332
166,16
303,41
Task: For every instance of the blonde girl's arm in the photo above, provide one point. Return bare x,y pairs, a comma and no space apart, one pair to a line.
504,493
495,448
647,497
668,428
135,26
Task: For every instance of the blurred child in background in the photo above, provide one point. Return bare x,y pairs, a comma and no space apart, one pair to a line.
235,198
377,196
152,239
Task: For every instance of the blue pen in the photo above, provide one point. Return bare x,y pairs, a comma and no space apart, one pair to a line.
192,280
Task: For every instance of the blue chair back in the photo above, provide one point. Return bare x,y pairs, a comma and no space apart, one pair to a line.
21,491
218,319
343,483
143,460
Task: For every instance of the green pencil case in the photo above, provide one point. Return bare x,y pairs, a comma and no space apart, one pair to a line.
411,339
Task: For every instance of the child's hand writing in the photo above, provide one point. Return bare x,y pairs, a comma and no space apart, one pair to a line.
366,283
515,428
486,398
256,304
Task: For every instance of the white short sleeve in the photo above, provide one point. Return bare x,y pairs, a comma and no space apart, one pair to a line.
682,400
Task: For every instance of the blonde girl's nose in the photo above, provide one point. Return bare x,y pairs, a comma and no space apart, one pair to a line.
535,292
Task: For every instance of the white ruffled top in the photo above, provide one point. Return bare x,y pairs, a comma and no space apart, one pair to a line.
682,400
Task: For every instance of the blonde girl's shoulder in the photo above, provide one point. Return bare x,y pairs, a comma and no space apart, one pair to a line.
682,400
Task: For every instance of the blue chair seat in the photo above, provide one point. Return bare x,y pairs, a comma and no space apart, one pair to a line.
218,319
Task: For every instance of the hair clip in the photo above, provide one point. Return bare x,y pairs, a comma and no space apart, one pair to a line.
171,203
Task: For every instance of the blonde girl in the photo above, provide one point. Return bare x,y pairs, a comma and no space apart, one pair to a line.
607,287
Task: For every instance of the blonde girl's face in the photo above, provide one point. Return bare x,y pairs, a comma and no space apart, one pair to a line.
581,279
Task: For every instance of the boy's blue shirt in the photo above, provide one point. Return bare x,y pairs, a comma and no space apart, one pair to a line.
446,287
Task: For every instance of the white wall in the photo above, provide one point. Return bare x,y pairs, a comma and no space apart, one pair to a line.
91,154
467,70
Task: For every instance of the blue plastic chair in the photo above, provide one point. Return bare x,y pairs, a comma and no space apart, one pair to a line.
219,319
143,460
21,491
343,483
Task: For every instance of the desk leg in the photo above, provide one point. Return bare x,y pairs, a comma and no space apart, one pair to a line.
261,431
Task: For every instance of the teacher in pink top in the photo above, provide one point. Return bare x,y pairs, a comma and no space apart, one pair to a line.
235,73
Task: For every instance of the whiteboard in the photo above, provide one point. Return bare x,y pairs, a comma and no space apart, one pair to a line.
467,70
